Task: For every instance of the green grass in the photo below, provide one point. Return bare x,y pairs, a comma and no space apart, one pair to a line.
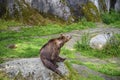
25,47
5,24
68,53
108,68
111,18
25,38
74,75
110,50
44,30
29,42
115,24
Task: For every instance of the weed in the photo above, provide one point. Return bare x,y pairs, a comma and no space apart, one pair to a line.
111,17
83,44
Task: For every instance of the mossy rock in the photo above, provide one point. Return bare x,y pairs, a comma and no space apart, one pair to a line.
25,14
91,13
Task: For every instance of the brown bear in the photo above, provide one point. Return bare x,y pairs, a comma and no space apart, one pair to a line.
49,53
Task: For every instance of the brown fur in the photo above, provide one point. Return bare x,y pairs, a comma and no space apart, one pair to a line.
49,53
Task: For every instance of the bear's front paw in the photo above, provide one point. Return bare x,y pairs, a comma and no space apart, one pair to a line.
63,59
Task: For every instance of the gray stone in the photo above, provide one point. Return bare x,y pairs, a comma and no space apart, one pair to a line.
117,6
55,7
99,41
33,67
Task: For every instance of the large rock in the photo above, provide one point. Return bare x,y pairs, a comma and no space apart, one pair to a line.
76,7
65,9
55,7
99,41
52,7
117,5
91,12
31,69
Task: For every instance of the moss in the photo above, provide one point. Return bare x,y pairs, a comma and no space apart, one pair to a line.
3,76
91,12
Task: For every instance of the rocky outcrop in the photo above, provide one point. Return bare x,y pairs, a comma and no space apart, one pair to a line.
100,41
117,5
91,12
55,7
17,8
31,69
65,9
76,7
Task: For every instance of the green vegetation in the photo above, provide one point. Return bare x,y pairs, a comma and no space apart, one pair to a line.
4,25
3,76
75,76
27,47
112,18
110,50
109,68
28,39
28,31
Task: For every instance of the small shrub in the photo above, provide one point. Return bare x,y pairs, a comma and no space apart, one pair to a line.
84,43
111,17
113,46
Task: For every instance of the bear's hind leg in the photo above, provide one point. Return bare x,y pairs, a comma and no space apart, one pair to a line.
51,66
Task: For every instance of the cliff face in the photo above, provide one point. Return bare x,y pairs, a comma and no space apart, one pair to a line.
55,7
117,5
65,9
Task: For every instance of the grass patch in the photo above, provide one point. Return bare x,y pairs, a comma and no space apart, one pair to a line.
109,68
25,48
111,18
68,53
27,43
74,75
26,31
115,24
5,24
110,50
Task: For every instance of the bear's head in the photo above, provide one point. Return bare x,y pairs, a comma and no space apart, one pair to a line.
62,40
